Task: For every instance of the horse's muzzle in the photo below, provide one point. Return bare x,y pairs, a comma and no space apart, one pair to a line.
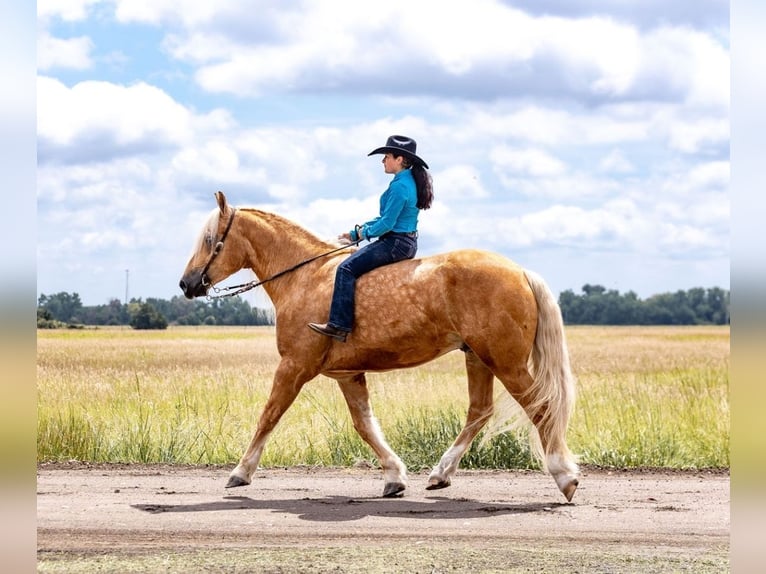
192,285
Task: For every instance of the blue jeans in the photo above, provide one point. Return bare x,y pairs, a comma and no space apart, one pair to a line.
389,248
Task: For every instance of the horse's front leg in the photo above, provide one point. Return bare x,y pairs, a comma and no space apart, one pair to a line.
480,388
288,382
358,400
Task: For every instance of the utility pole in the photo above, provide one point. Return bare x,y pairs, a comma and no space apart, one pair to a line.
127,274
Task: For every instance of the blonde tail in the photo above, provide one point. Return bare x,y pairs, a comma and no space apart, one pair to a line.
553,392
551,397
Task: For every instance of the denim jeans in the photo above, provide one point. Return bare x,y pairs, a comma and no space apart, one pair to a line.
389,248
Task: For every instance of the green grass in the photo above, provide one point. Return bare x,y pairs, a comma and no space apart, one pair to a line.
646,397
677,420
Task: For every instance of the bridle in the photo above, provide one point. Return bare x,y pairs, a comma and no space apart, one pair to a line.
232,290
217,250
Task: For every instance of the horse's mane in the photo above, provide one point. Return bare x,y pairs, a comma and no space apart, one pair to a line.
295,230
301,237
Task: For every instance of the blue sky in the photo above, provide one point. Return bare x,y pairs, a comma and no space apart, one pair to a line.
588,141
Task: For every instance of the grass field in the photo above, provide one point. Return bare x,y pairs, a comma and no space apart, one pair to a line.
647,396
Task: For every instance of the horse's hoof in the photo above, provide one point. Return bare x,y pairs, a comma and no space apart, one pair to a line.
393,489
235,481
569,489
436,484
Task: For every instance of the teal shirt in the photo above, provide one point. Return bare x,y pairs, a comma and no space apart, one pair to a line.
398,209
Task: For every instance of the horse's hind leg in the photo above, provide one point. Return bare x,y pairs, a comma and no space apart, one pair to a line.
555,454
480,390
358,399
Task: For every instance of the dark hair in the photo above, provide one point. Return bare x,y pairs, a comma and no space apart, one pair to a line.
423,183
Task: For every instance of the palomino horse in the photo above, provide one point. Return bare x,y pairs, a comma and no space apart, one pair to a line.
504,319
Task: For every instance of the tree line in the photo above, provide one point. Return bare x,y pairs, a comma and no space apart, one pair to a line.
596,305
600,306
66,309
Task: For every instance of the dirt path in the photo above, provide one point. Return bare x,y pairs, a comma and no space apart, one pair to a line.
181,519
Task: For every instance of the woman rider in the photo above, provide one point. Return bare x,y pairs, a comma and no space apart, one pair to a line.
396,228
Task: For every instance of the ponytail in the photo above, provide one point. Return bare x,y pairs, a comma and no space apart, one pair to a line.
423,182
424,185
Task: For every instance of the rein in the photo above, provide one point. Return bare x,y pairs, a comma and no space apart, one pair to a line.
232,290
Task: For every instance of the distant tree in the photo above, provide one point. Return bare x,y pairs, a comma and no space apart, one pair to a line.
114,313
571,307
592,290
62,306
697,300
45,320
145,316
719,302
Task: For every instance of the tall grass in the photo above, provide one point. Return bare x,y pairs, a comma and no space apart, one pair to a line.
647,397
652,396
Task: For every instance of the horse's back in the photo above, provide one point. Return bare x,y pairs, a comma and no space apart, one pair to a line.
412,311
486,284
468,270
476,262
456,287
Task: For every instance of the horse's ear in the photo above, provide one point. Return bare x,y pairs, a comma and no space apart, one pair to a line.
221,199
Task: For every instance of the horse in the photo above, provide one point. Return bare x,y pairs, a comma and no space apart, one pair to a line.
504,318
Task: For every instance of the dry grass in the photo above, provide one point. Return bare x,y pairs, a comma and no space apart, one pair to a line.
648,396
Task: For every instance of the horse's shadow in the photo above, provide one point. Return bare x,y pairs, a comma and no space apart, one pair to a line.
342,508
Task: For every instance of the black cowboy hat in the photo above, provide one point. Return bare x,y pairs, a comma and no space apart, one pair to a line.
401,145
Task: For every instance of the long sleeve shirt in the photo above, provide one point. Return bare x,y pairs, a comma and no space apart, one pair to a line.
398,209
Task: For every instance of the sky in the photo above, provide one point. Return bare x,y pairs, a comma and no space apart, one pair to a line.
587,141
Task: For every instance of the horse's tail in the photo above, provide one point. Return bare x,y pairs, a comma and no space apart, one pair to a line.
552,396
550,399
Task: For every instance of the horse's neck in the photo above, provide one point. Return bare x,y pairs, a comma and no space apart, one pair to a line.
277,244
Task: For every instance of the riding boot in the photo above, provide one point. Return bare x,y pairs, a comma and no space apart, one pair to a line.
329,331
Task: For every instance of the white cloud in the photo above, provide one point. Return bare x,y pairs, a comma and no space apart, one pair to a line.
568,224
619,227
691,135
71,53
459,182
330,217
67,10
578,187
529,161
80,183
714,174
615,162
706,211
691,63
700,178
645,14
189,12
102,118
125,113
678,239
606,54
209,160
558,126
491,50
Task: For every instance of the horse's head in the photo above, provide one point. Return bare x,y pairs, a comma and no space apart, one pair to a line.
213,259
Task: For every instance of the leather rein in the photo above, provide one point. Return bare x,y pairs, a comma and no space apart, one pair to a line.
232,290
